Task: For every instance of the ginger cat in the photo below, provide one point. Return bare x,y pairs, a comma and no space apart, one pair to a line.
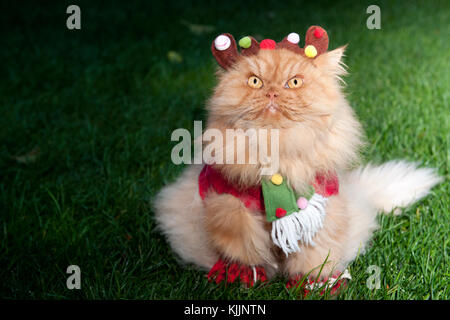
297,91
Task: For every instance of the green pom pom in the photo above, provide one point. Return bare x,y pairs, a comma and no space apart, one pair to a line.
245,42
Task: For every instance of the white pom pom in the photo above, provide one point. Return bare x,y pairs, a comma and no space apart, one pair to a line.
222,42
293,38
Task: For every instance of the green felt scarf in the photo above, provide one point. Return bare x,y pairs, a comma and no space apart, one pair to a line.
282,197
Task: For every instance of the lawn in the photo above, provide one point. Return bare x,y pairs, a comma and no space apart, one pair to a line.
86,119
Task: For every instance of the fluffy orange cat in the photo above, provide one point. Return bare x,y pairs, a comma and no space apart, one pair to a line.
297,91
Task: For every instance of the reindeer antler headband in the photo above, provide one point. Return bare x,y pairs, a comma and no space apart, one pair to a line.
225,51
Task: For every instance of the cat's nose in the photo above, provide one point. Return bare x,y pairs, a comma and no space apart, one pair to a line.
272,94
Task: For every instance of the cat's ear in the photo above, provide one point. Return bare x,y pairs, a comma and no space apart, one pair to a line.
224,49
331,61
316,46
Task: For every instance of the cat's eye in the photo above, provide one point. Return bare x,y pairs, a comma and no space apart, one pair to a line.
254,82
295,82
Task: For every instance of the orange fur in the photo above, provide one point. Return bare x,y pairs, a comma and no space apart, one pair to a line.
318,132
236,232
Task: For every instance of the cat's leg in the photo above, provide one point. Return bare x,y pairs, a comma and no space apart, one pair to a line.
241,237
236,232
328,248
180,214
204,232
348,225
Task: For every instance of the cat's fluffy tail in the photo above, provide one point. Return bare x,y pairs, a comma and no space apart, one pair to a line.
394,184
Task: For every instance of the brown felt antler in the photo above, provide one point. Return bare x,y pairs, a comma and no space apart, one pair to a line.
317,37
252,46
290,42
225,50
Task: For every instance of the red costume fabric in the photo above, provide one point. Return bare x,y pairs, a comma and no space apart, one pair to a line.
252,198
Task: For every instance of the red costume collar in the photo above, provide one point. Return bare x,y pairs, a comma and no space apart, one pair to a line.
252,198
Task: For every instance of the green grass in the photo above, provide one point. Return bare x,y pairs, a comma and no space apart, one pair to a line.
100,104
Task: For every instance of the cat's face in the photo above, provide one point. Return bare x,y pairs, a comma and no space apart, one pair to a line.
279,89
299,96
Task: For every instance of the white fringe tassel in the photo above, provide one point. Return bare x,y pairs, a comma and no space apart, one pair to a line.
299,226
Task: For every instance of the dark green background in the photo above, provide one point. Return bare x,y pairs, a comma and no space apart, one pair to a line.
98,106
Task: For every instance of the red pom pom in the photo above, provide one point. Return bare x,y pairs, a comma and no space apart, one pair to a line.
280,212
318,32
267,44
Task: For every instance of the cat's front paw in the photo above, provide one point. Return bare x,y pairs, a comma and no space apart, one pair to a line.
229,272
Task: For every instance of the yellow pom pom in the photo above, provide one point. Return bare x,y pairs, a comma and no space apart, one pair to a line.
277,179
310,51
